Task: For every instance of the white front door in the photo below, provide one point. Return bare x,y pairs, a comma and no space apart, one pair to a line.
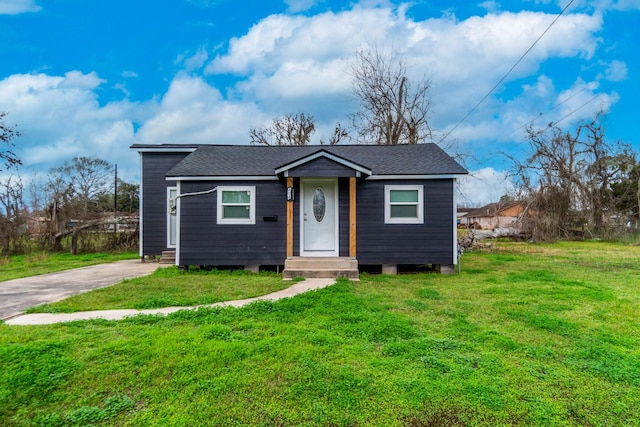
319,228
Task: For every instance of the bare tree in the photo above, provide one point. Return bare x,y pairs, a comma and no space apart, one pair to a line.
73,193
291,129
393,109
59,205
84,179
548,178
568,178
13,216
339,134
7,134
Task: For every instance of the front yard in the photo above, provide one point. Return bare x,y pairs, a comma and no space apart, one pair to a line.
169,287
525,335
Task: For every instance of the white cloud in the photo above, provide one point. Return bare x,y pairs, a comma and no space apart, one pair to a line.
295,6
621,5
197,60
60,118
484,186
445,47
194,112
294,60
627,5
257,46
583,101
537,106
616,71
289,64
193,61
205,3
15,7
299,80
490,6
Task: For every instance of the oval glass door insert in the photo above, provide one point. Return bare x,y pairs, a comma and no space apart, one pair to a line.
319,204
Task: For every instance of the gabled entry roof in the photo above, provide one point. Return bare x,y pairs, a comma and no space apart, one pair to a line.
323,154
369,160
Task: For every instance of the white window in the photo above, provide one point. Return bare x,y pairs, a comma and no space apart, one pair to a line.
237,205
403,204
172,193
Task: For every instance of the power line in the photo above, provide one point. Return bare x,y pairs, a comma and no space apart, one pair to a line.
569,114
597,95
509,71
530,122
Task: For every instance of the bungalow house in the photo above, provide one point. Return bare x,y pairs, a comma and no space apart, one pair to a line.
495,215
312,210
462,215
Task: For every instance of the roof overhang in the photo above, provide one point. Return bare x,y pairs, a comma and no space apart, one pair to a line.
163,148
441,176
360,170
222,178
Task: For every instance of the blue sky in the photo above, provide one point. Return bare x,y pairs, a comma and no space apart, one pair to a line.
93,77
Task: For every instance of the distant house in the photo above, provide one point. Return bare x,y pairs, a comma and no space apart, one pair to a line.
259,206
461,214
495,215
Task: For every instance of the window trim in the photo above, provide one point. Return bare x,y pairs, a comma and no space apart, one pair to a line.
403,220
251,189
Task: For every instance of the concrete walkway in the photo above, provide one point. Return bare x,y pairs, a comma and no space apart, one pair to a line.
47,318
19,294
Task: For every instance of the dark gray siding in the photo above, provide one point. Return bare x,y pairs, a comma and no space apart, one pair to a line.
380,243
428,243
322,168
343,201
154,199
204,242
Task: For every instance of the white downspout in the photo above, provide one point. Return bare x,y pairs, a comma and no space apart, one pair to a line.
455,224
174,210
140,210
177,201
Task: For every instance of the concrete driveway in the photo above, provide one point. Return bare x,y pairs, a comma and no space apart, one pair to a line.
19,294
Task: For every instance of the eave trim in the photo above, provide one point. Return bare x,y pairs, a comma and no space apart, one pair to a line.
389,177
222,178
165,150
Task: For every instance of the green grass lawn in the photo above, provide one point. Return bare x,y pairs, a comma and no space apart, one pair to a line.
168,287
15,267
526,335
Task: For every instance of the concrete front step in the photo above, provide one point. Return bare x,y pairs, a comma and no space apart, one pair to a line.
321,267
289,274
168,257
321,262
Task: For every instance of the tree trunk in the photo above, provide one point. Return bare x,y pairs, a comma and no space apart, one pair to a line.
74,242
53,227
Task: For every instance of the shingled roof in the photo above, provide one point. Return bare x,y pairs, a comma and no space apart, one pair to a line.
251,160
492,209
